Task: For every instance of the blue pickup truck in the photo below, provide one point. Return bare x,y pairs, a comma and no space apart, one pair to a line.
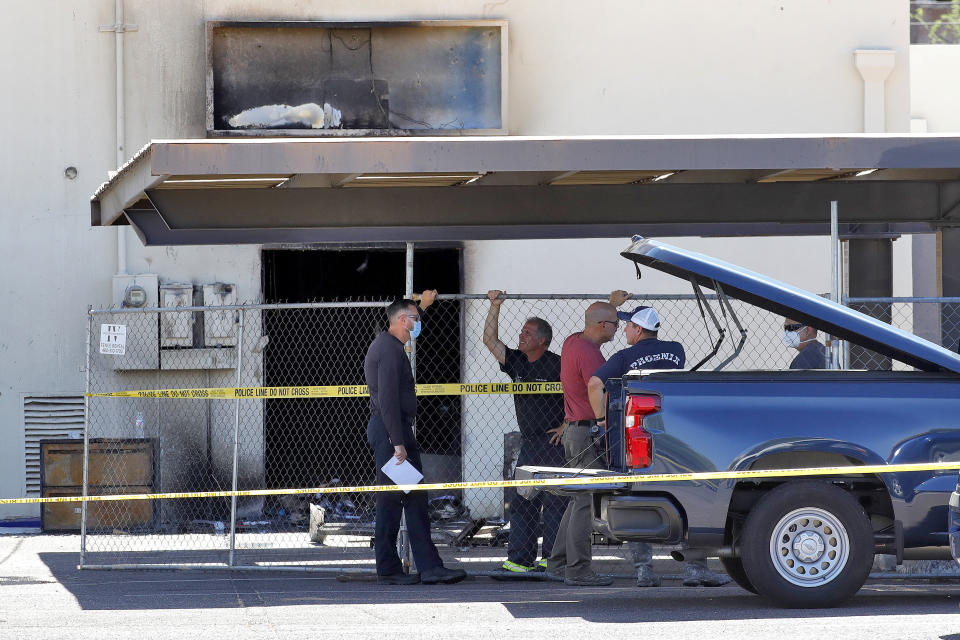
800,541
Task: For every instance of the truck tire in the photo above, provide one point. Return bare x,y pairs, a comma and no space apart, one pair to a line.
734,569
807,544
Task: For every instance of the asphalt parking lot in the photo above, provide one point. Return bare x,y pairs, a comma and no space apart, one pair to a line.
44,595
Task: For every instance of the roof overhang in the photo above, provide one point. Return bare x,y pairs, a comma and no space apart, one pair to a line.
304,190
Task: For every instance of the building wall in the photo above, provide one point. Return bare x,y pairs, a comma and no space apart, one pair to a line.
934,92
51,120
615,67
935,107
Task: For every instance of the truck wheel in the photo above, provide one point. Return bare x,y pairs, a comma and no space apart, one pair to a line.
734,569
807,544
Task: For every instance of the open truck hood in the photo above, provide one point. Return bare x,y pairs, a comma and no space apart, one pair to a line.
797,304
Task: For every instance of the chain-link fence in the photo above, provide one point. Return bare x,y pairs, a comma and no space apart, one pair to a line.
172,444
934,319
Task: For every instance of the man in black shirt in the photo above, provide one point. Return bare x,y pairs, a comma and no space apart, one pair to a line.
539,417
393,408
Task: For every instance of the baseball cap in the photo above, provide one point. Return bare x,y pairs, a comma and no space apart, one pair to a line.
645,317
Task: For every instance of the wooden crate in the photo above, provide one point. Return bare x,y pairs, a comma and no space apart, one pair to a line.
117,466
113,463
101,516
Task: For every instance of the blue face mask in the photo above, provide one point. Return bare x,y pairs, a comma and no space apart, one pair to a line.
416,329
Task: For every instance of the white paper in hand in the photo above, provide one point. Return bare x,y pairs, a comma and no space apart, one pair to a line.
403,473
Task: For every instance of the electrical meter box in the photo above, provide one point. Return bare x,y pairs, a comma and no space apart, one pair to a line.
220,325
140,329
176,327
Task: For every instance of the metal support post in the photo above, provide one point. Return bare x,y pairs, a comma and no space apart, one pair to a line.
86,445
159,444
870,265
236,445
403,540
948,270
836,282
409,295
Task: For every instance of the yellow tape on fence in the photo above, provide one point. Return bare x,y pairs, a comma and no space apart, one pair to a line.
336,391
544,482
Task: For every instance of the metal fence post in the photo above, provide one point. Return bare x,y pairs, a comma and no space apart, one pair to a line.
86,443
408,291
403,540
836,346
236,444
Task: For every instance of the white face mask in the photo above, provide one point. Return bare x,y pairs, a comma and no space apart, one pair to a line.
791,339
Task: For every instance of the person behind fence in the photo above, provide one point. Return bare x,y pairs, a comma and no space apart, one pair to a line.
538,416
572,554
647,351
796,335
393,408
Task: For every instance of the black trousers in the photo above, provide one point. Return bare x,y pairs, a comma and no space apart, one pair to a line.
391,505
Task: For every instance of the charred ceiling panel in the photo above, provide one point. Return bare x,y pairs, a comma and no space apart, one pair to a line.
315,78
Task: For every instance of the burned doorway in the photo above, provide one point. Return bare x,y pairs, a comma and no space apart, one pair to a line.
309,442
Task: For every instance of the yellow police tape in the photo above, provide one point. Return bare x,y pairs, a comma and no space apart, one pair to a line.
542,482
336,391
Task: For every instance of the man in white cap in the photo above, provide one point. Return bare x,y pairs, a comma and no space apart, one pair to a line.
646,351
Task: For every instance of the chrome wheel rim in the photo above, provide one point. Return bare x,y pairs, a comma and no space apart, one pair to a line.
809,547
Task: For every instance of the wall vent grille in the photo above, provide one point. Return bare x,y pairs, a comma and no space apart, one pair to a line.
47,417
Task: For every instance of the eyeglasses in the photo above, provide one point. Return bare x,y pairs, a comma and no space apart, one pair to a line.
793,327
615,323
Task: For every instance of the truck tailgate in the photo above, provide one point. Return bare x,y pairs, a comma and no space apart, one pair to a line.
540,473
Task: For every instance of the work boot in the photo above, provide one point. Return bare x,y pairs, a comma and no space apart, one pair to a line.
555,576
698,575
516,567
399,578
510,570
646,576
588,580
442,575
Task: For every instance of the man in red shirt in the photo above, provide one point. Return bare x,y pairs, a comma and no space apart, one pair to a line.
580,357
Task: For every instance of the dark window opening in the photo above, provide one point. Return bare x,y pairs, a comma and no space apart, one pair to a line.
311,441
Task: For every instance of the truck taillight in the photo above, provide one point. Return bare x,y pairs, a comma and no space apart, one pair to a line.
639,444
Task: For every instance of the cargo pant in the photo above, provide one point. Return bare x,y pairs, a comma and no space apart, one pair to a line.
573,549
525,514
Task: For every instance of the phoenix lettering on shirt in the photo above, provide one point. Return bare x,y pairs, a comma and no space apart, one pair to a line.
656,357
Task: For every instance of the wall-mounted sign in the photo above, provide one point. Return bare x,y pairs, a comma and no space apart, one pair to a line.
322,78
113,339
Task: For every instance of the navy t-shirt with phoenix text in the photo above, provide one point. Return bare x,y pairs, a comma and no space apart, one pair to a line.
646,354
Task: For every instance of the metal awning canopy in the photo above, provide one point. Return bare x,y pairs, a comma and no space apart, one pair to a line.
305,190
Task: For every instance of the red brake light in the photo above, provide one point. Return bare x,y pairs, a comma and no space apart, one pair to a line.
639,444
